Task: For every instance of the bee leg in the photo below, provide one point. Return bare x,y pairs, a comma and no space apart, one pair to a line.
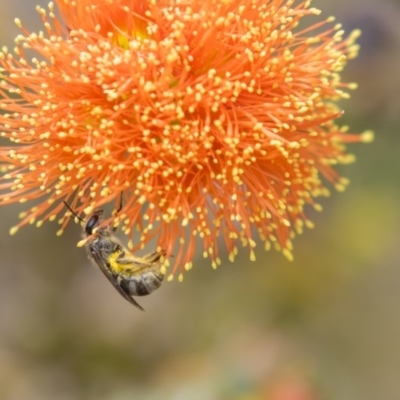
154,257
140,262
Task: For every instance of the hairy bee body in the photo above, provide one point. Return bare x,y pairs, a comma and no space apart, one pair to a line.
125,269
129,274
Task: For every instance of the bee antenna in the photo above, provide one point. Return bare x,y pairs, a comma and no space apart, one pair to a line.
72,211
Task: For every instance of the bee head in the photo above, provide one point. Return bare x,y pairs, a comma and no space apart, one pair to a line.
93,222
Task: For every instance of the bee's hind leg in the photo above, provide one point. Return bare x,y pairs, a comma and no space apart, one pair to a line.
150,258
154,257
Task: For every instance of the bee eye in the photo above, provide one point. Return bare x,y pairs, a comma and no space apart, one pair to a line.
91,224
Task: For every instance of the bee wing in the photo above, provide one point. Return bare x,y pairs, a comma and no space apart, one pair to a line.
106,271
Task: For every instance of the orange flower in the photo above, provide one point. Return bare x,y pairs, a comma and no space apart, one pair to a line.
214,118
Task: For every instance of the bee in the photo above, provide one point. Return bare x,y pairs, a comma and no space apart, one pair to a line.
130,275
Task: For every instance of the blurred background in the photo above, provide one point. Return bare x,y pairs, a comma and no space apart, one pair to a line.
325,326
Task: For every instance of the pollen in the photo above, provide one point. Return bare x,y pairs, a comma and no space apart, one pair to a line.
81,243
367,137
14,230
217,120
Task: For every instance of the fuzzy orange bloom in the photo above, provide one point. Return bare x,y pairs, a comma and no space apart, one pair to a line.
214,118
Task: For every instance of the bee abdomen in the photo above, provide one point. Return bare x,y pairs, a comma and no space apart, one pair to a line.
142,285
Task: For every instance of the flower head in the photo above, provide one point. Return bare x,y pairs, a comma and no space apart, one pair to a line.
214,118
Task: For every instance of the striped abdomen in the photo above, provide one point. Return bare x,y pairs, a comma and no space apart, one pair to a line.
140,285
